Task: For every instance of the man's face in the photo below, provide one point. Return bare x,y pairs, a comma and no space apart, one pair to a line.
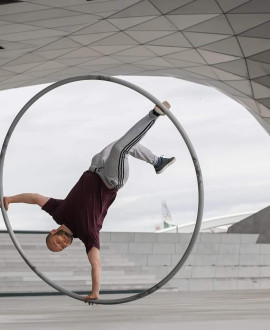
59,241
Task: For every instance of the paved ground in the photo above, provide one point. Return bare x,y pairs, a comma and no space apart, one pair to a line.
241,310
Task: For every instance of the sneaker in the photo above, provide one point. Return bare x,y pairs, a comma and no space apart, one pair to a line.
163,163
158,111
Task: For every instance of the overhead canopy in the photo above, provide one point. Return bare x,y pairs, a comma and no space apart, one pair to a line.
220,43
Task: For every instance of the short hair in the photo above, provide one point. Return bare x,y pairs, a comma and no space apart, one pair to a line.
48,239
50,235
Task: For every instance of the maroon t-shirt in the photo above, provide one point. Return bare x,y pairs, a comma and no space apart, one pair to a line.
84,209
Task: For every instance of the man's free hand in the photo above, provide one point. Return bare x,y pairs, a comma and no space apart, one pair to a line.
5,203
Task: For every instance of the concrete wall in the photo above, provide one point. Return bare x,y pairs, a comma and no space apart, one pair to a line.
136,261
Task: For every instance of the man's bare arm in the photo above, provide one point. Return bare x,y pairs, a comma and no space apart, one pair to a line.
94,259
27,198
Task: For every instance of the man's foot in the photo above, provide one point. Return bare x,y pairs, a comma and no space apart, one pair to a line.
157,111
163,163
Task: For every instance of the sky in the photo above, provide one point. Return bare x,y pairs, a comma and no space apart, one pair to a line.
54,142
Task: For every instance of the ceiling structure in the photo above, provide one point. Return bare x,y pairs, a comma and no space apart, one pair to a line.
220,43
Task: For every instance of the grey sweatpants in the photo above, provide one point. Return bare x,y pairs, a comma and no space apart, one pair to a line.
111,164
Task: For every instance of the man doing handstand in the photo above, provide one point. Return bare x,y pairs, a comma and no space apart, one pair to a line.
82,212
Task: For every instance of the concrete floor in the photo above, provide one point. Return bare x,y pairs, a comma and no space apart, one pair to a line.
170,310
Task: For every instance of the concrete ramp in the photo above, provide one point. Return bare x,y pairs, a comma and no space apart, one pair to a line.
258,223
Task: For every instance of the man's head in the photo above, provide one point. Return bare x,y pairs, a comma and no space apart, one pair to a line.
58,240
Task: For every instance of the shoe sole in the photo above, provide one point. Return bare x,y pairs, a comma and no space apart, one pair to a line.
164,168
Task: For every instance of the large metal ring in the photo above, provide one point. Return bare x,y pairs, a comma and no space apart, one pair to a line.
195,163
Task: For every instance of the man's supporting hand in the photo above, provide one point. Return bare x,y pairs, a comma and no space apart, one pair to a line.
94,259
91,297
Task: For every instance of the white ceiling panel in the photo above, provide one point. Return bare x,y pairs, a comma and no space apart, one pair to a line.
220,43
185,21
169,5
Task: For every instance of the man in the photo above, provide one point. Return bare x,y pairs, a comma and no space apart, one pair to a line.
82,212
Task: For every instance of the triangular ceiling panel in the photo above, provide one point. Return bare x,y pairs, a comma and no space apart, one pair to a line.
263,57
57,23
82,52
4,73
253,6
51,54
261,31
130,59
199,7
86,39
156,24
10,28
235,67
103,61
265,112
204,71
107,50
228,46
15,45
253,46
63,43
214,58
264,80
125,70
72,28
34,43
23,7
196,76
248,102
244,22
222,86
266,102
126,23
257,69
22,67
162,50
242,86
75,61
169,5
186,21
227,5
96,7
136,51
26,59
119,38
176,39
155,61
218,24
189,56
181,64
143,8
260,91
224,75
50,65
200,39
141,37
100,27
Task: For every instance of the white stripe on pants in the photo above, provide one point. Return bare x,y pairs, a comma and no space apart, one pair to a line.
112,162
